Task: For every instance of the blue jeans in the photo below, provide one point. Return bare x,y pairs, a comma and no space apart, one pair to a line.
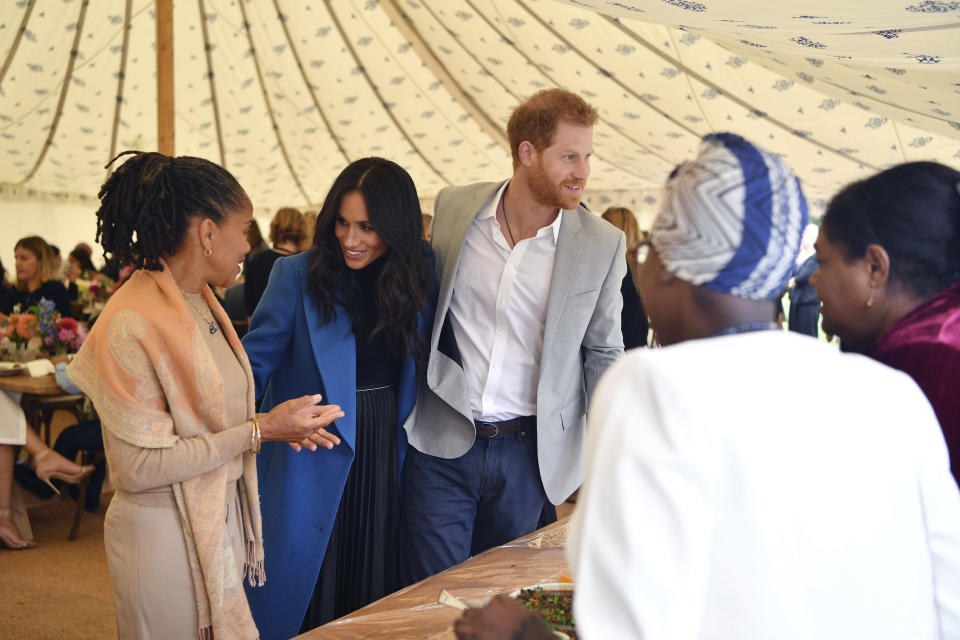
453,509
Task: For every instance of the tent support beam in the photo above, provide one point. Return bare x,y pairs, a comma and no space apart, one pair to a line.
165,112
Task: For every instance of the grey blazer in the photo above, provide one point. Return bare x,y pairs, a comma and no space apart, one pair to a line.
581,339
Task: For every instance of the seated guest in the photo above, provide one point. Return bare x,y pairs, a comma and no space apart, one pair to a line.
79,266
288,230
47,464
6,291
36,278
83,436
889,279
633,319
704,516
256,241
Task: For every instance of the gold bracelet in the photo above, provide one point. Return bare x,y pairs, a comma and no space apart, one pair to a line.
255,439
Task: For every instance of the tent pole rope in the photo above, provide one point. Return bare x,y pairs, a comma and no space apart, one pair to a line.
409,30
68,75
376,91
443,78
609,75
266,100
693,93
743,103
213,87
121,76
618,130
16,40
303,74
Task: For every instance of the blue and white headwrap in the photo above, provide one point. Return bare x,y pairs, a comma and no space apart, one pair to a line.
731,220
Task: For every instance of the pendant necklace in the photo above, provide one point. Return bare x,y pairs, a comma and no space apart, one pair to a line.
211,324
503,206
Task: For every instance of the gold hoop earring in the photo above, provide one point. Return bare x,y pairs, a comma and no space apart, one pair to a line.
207,251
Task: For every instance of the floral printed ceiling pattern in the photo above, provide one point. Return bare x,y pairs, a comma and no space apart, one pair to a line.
284,93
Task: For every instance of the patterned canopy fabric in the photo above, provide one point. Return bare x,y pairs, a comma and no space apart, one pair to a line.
285,93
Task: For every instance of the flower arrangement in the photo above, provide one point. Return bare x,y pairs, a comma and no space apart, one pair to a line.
40,331
97,289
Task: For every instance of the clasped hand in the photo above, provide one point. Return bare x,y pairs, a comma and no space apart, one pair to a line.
301,422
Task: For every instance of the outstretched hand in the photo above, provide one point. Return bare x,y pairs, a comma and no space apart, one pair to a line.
301,422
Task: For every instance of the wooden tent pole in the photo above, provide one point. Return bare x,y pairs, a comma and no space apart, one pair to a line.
165,123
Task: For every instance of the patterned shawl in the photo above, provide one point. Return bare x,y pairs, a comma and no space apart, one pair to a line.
153,381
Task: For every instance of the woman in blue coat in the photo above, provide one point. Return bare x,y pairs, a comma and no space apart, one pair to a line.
347,319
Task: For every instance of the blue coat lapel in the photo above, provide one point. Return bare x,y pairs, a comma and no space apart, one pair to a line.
334,350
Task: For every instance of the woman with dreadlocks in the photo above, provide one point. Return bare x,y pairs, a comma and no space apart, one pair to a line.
173,387
346,317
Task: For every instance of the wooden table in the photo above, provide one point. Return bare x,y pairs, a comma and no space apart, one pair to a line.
42,397
39,386
413,613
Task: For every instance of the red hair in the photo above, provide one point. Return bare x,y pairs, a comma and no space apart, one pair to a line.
536,119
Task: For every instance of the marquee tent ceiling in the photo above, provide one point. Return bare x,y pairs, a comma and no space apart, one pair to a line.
284,93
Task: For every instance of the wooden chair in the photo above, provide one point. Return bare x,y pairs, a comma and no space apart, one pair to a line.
39,411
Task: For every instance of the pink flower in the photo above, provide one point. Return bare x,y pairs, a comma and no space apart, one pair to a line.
69,324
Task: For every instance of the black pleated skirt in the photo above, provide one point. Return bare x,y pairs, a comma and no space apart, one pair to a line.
361,563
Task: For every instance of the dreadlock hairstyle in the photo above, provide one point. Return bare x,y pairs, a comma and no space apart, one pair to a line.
147,203
401,289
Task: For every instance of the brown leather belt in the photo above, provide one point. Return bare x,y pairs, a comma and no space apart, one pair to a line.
504,427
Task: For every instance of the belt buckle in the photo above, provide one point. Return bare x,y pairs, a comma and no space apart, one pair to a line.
496,429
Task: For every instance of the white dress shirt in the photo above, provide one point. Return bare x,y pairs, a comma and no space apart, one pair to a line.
498,311
762,486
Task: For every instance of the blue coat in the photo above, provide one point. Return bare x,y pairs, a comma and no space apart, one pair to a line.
292,356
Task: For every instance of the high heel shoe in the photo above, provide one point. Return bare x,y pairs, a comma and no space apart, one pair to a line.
46,475
5,514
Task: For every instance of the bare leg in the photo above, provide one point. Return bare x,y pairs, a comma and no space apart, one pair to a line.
8,530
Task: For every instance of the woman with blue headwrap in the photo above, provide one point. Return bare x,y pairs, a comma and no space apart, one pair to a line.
703,516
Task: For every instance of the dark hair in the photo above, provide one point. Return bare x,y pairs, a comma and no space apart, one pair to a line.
146,205
5,290
254,237
401,289
536,119
913,212
81,256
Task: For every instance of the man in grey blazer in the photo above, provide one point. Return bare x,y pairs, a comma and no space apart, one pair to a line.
528,318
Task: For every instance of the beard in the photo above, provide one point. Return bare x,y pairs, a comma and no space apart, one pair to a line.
552,195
